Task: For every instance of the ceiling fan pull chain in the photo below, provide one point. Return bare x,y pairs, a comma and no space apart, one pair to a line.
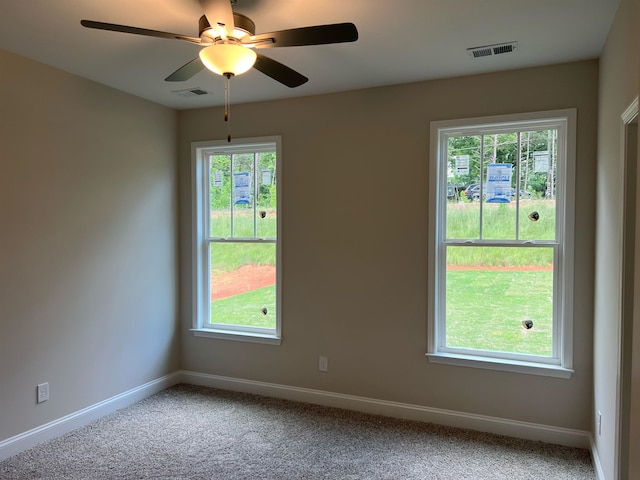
227,103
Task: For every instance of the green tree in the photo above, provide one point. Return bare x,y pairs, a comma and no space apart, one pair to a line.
504,148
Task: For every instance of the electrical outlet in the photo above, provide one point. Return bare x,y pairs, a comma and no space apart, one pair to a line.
43,392
323,364
599,421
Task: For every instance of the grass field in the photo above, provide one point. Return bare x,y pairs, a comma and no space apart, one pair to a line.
502,286
486,308
226,257
246,309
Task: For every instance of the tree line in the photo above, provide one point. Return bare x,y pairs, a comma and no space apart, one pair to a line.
532,154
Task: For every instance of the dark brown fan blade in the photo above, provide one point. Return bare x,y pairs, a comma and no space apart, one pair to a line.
279,72
219,12
137,31
316,35
186,71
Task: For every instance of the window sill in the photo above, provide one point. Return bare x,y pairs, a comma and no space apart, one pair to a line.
500,364
237,336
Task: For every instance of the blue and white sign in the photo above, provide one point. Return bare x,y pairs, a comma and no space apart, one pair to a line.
242,188
498,188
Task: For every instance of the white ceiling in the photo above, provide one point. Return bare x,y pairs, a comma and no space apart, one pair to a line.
400,41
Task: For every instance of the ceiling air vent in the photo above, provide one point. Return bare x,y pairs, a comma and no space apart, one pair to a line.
191,92
490,50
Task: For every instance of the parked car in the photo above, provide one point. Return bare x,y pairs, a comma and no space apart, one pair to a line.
523,193
472,192
451,192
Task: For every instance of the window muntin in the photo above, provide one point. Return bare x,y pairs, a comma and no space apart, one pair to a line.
236,239
502,249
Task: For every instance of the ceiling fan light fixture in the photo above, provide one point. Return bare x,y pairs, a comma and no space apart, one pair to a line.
227,58
240,33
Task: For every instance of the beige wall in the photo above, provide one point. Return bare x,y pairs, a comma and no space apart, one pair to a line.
88,220
618,86
355,177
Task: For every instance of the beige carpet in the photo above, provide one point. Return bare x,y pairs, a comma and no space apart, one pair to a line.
188,432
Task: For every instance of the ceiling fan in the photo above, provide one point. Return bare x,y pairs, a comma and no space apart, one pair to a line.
229,41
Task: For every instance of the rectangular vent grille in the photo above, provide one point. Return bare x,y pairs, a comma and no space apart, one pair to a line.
482,52
490,50
191,92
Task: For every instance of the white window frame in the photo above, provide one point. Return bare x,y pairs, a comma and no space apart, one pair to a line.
560,364
200,151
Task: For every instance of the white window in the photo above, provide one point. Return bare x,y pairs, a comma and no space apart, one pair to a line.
501,242
236,249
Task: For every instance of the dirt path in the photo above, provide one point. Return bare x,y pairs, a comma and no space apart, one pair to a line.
252,277
244,279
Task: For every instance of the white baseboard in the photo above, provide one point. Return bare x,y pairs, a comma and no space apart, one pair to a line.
512,428
597,466
31,438
483,423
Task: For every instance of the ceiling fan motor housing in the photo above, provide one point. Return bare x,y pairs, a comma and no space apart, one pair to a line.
242,22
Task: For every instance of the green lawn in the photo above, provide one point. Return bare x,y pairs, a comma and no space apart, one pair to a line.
500,222
486,308
246,309
226,257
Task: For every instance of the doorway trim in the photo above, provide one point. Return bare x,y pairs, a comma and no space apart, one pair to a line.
629,168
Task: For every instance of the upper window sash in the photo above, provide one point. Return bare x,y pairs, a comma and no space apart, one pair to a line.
208,155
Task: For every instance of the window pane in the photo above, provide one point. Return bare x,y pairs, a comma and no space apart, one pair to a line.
500,164
499,221
500,299
463,181
518,197
243,279
220,195
267,195
243,195
538,182
538,219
